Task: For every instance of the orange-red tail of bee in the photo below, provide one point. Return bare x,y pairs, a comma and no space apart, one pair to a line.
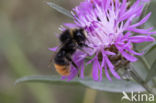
63,70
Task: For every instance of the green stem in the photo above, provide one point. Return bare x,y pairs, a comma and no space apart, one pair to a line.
137,78
90,96
143,59
147,66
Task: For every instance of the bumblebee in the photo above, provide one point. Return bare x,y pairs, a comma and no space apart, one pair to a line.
78,36
71,40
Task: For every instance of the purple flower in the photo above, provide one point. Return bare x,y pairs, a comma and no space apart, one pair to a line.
111,28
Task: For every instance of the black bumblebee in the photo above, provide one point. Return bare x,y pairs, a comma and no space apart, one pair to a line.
78,36
71,40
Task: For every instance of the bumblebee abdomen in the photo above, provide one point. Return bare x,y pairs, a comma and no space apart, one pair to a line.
63,70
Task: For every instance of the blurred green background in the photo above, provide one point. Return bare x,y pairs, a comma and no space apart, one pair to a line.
27,29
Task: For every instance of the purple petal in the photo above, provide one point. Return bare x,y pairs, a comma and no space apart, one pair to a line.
111,67
53,49
73,74
90,61
107,73
103,58
82,70
116,3
127,34
95,70
133,52
123,7
70,25
142,21
140,39
141,31
100,70
130,12
109,53
128,56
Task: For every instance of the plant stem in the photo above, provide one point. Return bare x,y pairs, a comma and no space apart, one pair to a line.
143,59
90,96
136,77
147,66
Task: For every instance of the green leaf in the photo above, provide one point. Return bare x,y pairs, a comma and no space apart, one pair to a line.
149,48
141,67
104,85
152,72
46,79
60,9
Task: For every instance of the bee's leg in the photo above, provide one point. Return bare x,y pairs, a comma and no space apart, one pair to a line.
69,58
82,50
85,45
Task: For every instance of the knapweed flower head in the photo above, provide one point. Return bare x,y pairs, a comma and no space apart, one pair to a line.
112,31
